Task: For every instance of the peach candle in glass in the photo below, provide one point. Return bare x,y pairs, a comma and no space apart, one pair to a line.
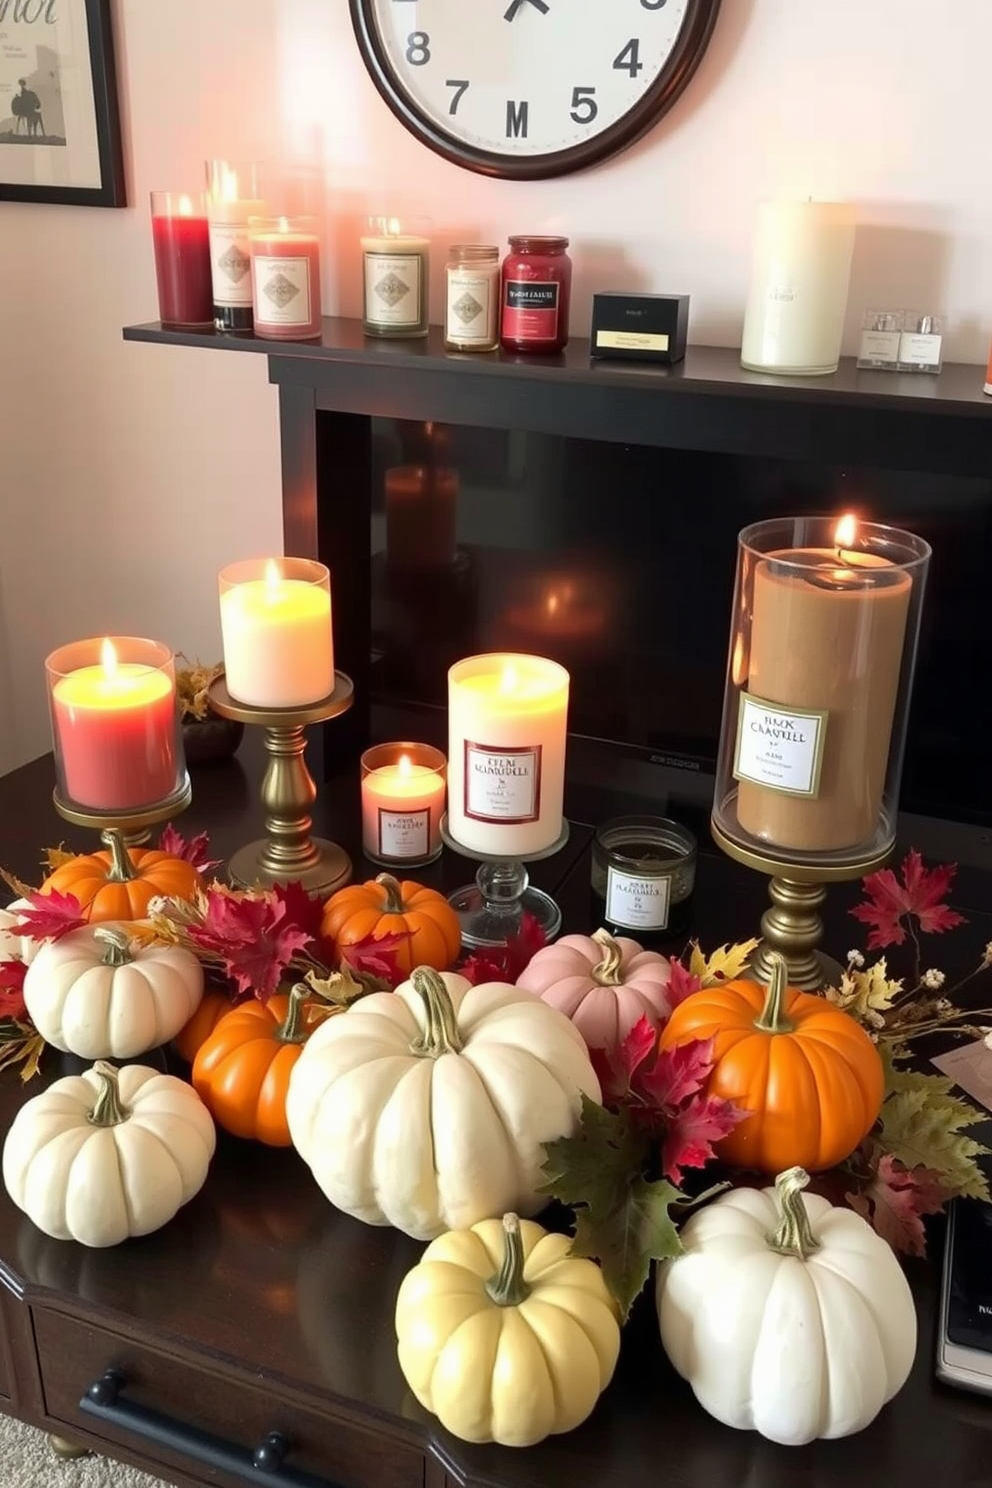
115,724
285,268
403,788
275,616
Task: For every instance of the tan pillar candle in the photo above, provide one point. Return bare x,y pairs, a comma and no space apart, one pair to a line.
827,634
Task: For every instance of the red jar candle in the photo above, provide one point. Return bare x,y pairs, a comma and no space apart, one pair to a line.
182,259
535,292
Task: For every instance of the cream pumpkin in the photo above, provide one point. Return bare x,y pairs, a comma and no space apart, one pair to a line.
427,1108
96,994
604,984
108,1154
503,1335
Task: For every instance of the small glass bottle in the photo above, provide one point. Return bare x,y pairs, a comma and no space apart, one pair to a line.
536,287
471,305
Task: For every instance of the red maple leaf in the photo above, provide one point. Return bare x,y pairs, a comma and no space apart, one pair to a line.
193,851
919,896
506,963
895,1202
681,984
480,969
692,1128
377,956
678,1074
251,937
617,1068
301,911
51,916
12,974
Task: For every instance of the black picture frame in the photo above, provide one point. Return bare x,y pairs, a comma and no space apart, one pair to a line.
112,188
686,56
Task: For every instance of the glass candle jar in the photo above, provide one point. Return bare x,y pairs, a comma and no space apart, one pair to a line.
275,620
643,876
234,195
403,789
535,292
471,306
181,240
395,276
115,723
285,269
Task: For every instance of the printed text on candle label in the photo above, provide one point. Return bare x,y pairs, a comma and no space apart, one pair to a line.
282,291
634,903
502,785
404,834
780,748
392,288
231,259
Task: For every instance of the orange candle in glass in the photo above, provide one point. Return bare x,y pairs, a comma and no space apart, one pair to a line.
285,270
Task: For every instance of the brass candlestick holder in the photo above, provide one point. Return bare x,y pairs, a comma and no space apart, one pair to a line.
120,830
289,854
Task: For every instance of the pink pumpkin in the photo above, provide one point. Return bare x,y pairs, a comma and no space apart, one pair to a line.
603,984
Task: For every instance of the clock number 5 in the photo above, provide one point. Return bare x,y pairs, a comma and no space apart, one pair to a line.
654,4
627,60
418,48
584,106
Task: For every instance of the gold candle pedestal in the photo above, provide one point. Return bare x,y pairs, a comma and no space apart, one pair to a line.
792,927
289,854
122,829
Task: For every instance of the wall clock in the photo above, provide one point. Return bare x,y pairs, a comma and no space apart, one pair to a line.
527,89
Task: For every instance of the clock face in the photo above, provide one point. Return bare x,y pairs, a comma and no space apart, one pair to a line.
531,88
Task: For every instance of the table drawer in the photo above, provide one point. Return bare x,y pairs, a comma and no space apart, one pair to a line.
177,1413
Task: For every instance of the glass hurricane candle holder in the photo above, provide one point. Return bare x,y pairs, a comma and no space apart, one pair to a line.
403,790
115,725
181,241
643,876
395,275
234,196
275,616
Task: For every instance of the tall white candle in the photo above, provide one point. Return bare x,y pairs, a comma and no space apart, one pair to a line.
276,628
799,278
507,717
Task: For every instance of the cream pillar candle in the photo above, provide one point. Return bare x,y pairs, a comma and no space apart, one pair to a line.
233,196
507,718
800,270
276,628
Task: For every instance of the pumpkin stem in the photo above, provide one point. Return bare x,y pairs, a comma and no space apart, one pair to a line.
118,945
607,973
441,1035
508,1288
121,867
107,1109
394,893
772,1019
294,1029
794,1235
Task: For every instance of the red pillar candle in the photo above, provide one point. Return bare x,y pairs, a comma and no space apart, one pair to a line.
181,238
285,270
115,723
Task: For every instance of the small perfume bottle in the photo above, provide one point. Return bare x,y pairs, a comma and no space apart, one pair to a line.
920,343
881,332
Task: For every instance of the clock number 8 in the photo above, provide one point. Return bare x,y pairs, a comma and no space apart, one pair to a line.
418,48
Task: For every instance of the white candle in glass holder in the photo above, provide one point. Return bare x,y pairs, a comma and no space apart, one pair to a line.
800,272
276,628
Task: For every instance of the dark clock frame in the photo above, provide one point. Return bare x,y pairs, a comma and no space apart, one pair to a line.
667,87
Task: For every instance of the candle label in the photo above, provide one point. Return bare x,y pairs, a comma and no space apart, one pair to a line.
404,834
530,310
392,288
779,747
230,263
282,291
637,903
502,785
472,306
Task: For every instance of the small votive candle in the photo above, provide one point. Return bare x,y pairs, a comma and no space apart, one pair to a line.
403,790
395,276
285,267
181,240
233,197
275,617
115,724
643,875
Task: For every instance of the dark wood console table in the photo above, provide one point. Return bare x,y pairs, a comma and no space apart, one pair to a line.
261,1310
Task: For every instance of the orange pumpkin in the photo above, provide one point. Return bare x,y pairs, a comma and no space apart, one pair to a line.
809,1073
121,883
241,1071
384,906
212,1008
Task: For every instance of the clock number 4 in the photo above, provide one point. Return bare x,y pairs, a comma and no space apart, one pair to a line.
628,59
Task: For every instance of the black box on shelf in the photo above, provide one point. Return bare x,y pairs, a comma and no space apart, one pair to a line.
639,327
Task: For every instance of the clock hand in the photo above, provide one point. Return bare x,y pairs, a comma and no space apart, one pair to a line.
515,5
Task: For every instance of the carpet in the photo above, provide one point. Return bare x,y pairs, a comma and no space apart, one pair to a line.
27,1461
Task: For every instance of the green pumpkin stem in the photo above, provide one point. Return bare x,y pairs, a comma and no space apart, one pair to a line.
394,893
441,1035
508,1288
794,1235
117,943
294,1029
121,867
107,1109
608,973
772,1019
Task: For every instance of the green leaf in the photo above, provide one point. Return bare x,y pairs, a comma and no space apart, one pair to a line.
921,1124
594,1167
626,1241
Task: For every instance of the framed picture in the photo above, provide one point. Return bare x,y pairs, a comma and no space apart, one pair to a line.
60,136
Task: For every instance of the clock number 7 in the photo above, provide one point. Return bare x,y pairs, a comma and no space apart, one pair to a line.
459,85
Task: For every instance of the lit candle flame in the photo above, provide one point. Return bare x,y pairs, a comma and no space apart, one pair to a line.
508,681
108,659
228,184
284,224
846,531
551,604
738,665
273,580
185,207
404,765
393,227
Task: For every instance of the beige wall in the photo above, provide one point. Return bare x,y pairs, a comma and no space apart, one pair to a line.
129,474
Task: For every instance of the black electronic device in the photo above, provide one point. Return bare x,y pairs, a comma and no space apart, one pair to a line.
964,1330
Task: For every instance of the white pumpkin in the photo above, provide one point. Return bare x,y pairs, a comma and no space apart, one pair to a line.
96,994
13,945
787,1316
107,1154
427,1108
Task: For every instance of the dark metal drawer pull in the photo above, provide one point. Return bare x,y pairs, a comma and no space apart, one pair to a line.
262,1466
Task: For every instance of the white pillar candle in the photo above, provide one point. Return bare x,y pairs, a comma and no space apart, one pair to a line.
276,627
798,295
507,717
